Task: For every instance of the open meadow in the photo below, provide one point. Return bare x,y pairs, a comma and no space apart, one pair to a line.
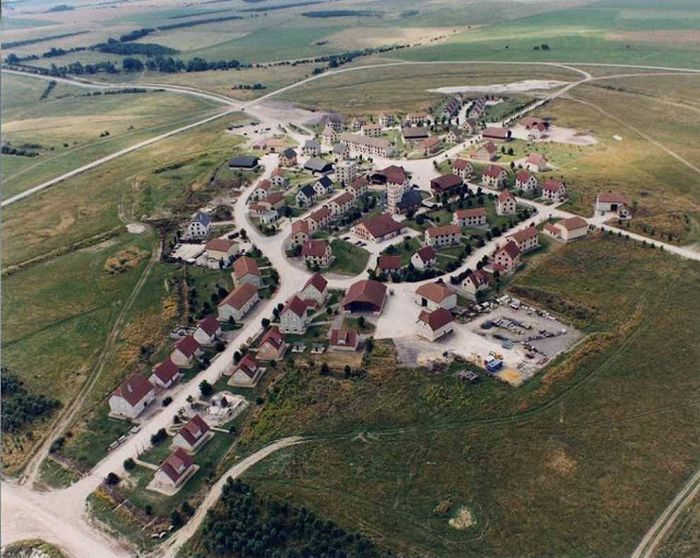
578,461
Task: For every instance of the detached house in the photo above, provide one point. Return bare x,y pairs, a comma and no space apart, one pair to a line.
293,317
444,235
278,179
553,190
199,227
567,229
496,133
526,181
306,196
323,186
526,239
245,270
506,204
317,253
487,152
447,183
341,204
430,146
494,177
185,351
378,228
193,435
389,263
131,397
165,374
238,302
263,188
272,345
341,151
536,162
611,202
346,171
365,296
315,290
300,232
424,258
288,158
507,257
436,295
329,134
320,218
220,249
475,283
311,148
208,330
247,372
175,470
434,325
462,168
475,217
343,340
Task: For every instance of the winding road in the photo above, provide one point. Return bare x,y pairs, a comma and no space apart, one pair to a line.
59,516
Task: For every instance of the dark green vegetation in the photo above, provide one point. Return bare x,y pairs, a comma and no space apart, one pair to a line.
343,13
32,547
21,408
611,429
244,523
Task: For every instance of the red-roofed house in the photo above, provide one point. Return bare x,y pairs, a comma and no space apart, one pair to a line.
389,263
293,317
165,374
611,202
341,204
526,239
444,235
505,204
496,133
320,218
220,249
343,340
436,295
185,351
567,229
434,325
378,228
193,435
175,470
238,302
494,177
487,152
131,397
247,372
475,217
317,253
272,345
507,257
278,179
208,330
359,186
446,183
462,168
476,282
424,258
300,232
430,145
315,289
553,190
526,181
261,191
536,162
365,296
245,270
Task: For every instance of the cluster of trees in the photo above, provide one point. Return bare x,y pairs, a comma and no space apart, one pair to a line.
48,90
125,49
170,65
25,150
136,34
20,407
244,523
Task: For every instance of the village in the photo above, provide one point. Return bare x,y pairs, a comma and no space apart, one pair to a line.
370,247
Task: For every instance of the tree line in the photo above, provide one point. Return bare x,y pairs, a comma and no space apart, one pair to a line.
20,408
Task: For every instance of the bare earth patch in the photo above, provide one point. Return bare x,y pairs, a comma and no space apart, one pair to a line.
666,36
463,519
561,463
124,260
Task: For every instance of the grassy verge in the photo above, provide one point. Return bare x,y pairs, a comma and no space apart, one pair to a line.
349,259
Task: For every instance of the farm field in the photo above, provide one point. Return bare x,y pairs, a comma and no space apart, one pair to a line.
356,470
71,127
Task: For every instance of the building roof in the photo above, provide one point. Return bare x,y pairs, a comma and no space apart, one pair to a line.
437,292
478,277
134,389
443,230
308,191
202,218
461,164
311,144
490,147
244,161
430,142
510,248
473,212
289,153
394,174
446,182
495,132
523,176
244,266
194,429
219,244
317,281
366,290
188,346
248,365
320,214
316,164
389,263
302,225
493,171
274,198
273,336
166,371
426,253
340,148
573,223
324,181
523,234
209,325
237,298
296,306
505,196
552,185
314,248
279,171
359,182
365,140
381,225
436,319
551,228
529,121
345,197
415,132
177,464
537,159
343,337
264,184
612,197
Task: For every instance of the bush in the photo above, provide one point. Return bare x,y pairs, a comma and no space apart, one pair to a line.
167,401
112,479
206,389
129,464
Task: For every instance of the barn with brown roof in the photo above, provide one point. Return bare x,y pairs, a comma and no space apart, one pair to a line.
366,295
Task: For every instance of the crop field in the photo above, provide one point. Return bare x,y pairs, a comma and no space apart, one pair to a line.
611,428
614,31
89,204
71,127
403,88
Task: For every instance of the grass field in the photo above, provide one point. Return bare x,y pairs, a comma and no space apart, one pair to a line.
349,259
610,430
70,126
